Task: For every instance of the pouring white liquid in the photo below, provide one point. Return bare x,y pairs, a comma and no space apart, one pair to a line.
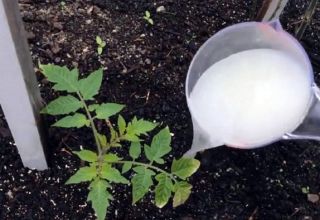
251,98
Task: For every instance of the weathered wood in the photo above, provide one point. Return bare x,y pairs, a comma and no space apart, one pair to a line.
19,94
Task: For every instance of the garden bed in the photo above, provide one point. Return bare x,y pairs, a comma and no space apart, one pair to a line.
145,69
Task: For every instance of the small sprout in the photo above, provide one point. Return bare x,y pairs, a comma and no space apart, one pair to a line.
147,17
305,190
63,5
101,45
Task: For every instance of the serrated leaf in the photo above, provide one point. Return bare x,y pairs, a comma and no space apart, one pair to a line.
89,87
86,155
163,190
141,182
74,121
121,125
143,169
99,197
137,127
62,105
112,174
160,146
131,138
102,140
84,174
65,79
184,167
114,135
99,50
126,167
93,107
98,40
104,111
135,150
110,157
182,192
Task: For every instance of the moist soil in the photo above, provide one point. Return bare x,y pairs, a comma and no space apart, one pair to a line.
145,68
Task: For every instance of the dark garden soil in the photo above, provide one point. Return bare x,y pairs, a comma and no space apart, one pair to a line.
145,68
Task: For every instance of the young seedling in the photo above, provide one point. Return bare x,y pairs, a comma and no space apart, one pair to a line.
101,45
147,17
103,168
63,5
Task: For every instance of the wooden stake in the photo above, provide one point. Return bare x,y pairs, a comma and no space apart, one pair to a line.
19,94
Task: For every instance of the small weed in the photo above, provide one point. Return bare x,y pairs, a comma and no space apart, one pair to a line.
101,45
147,17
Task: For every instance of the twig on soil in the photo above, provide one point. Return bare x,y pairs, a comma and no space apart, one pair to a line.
252,216
65,150
169,52
306,20
147,96
296,210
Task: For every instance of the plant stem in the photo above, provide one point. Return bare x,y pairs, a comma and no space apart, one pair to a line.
147,166
93,126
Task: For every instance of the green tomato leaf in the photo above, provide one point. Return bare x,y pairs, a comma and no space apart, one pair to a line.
184,167
112,174
65,79
137,127
99,197
84,174
182,192
142,170
131,138
104,111
102,139
163,190
93,107
121,125
62,105
110,157
98,40
86,155
141,182
126,167
89,87
160,146
150,21
74,121
135,150
114,135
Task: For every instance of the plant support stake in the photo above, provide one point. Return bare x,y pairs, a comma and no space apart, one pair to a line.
19,94
271,10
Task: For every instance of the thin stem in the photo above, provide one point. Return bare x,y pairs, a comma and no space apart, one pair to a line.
147,166
93,126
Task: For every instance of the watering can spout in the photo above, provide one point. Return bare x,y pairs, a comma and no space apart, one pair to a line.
201,141
310,127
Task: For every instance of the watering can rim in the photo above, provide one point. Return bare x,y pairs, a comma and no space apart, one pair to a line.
275,25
